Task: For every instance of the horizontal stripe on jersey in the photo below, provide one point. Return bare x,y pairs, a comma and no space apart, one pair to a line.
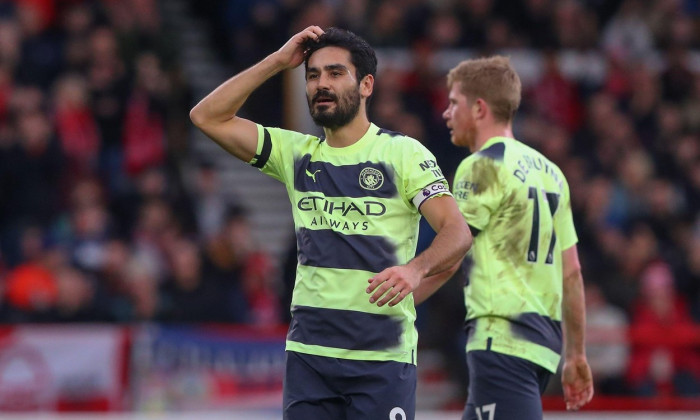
496,334
341,181
352,330
330,249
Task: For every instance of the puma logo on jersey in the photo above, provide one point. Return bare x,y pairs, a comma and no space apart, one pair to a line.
313,175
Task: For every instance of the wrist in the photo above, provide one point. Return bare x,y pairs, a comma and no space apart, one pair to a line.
273,63
575,357
418,267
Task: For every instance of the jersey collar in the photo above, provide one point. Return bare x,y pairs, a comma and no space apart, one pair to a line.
358,145
491,141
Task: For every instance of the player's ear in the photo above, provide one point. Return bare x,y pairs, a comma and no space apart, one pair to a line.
480,108
367,86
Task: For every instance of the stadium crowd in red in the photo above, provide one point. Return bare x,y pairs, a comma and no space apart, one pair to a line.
97,223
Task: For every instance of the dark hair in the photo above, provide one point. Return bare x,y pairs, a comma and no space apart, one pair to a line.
362,55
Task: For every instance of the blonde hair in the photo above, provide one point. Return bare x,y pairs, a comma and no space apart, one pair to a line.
492,79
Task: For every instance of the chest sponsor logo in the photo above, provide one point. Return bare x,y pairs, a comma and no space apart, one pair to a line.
332,213
371,179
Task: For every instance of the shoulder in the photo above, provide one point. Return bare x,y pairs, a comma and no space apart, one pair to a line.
293,139
491,156
397,147
495,152
388,134
394,139
287,134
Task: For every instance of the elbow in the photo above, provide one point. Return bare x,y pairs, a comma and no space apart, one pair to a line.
470,241
572,275
196,116
467,239
454,268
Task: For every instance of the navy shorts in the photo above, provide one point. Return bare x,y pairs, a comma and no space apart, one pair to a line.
503,387
326,388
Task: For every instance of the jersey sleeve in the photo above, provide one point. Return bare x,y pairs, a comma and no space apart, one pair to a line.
423,178
564,222
274,153
478,189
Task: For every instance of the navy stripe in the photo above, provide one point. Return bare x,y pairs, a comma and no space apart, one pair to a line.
352,330
494,152
530,326
264,155
390,133
330,249
538,329
340,181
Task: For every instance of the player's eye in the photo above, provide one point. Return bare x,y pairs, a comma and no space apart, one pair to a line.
311,76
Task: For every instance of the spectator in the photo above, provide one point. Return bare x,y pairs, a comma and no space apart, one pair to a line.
142,280
144,131
663,359
188,295
225,257
75,298
555,98
75,124
30,286
606,348
628,35
32,171
210,206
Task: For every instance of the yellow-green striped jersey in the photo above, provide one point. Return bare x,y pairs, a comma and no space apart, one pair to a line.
356,212
517,204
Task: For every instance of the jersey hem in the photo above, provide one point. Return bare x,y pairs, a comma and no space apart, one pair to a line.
547,358
369,355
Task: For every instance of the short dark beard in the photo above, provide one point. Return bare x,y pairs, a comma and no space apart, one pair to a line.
347,107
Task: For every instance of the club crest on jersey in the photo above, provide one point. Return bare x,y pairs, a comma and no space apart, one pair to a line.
371,178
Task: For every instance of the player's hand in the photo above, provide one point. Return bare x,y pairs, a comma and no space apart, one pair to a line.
393,285
293,52
577,381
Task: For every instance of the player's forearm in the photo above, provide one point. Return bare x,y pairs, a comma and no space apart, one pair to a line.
449,246
225,101
574,315
431,284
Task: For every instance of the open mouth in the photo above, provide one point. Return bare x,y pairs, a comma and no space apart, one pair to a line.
324,99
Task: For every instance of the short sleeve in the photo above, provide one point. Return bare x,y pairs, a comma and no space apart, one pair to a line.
270,153
478,189
422,176
564,222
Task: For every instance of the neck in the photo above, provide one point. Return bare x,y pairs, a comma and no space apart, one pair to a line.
348,134
496,130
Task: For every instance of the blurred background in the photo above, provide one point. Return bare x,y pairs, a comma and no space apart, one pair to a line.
142,268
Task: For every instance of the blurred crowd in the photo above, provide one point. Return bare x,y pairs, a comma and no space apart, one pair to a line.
98,224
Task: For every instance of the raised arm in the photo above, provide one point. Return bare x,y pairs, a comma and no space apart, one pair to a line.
449,246
576,377
216,116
